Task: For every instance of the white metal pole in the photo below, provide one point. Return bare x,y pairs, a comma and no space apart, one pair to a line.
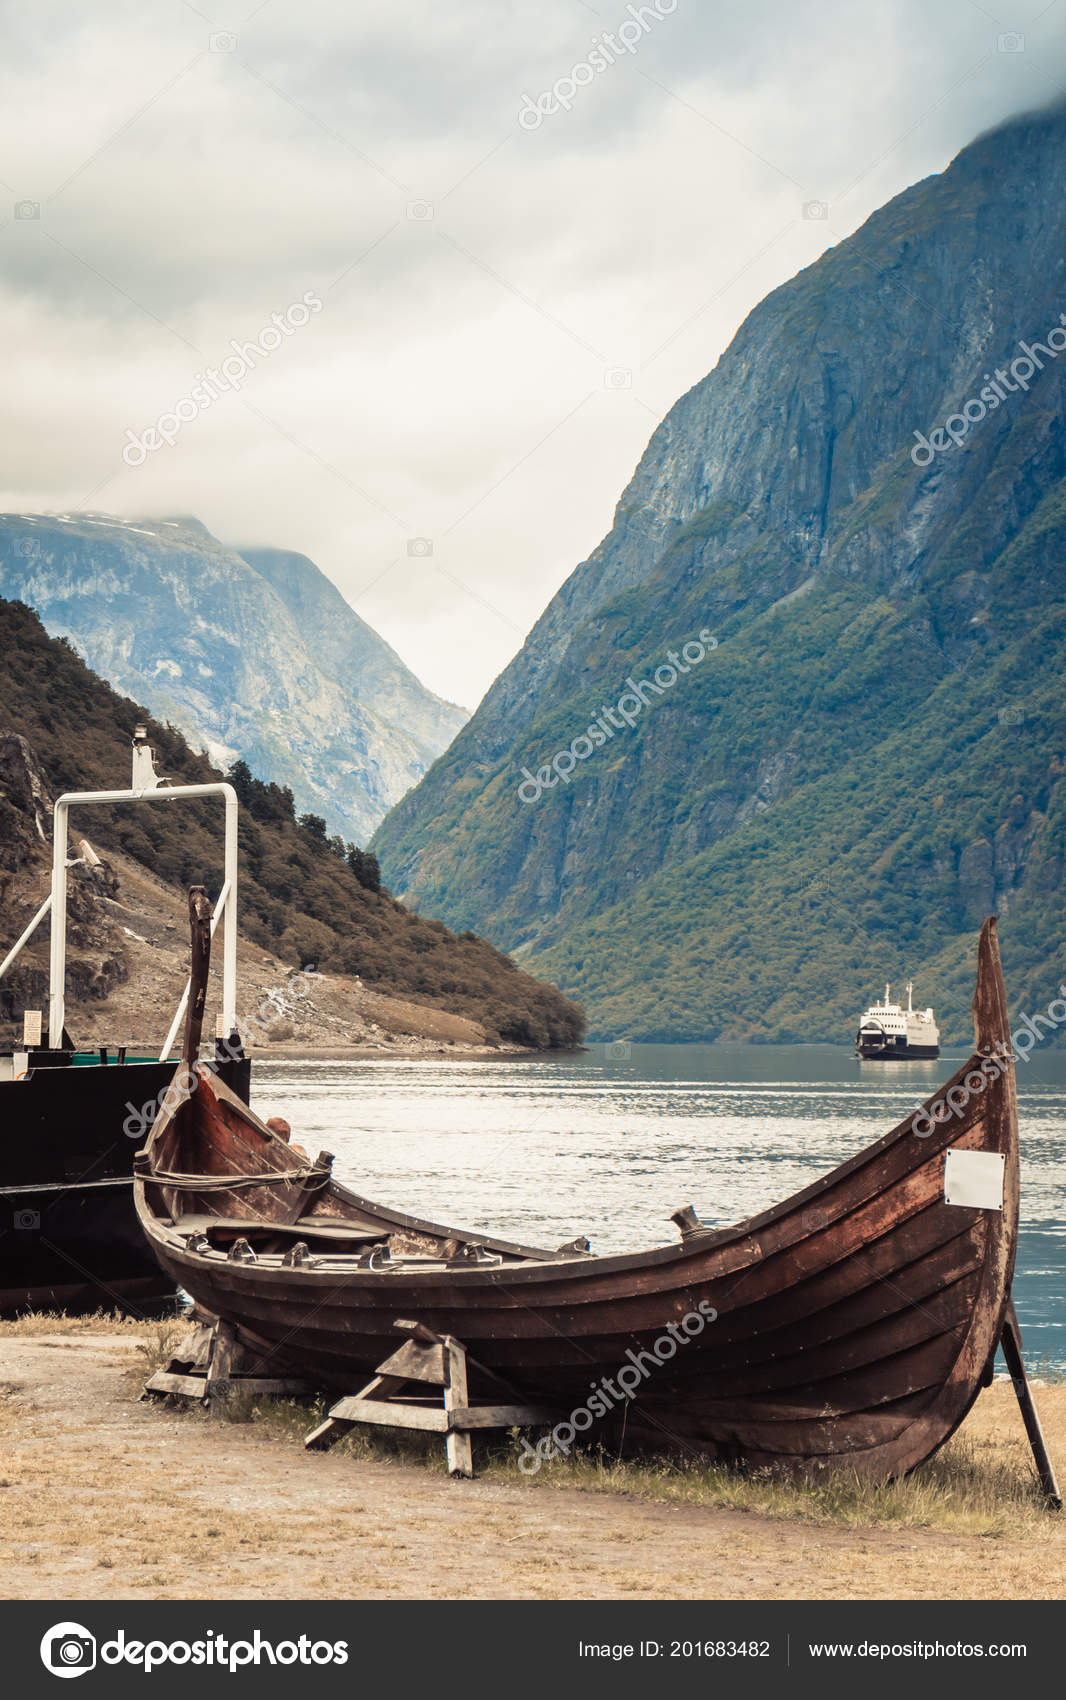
57,965
164,793
27,935
229,943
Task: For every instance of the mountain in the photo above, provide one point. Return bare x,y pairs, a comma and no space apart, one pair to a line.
349,652
252,654
868,756
300,896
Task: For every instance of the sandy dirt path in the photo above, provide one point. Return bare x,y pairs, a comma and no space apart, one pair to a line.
103,1497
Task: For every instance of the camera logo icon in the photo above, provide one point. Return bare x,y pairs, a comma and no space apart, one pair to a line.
29,548
27,209
1010,43
618,378
420,211
1011,716
816,209
68,1649
27,1221
420,546
618,1050
223,42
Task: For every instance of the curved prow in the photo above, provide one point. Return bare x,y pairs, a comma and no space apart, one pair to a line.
991,1018
200,913
161,1146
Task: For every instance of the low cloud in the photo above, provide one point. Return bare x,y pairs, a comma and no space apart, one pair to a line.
459,375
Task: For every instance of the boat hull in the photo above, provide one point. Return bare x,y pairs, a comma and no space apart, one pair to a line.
69,1235
896,1053
850,1327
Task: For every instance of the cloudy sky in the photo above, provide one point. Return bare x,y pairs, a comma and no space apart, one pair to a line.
513,292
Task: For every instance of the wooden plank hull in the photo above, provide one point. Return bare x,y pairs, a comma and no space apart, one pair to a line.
849,1327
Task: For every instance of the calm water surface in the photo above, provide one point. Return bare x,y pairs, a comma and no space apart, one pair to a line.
542,1149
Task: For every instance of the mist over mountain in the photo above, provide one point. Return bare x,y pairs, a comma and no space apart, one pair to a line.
253,654
864,506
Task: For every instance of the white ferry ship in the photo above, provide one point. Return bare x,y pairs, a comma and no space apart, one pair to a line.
887,1031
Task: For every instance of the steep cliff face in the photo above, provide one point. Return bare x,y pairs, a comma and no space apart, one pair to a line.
25,806
256,655
360,662
869,760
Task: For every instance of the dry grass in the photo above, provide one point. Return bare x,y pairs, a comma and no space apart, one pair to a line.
106,1496
968,1488
38,1322
153,1339
980,1484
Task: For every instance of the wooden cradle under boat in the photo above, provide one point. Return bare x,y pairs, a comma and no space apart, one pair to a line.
849,1327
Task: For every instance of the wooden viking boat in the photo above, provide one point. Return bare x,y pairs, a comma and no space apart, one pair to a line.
849,1328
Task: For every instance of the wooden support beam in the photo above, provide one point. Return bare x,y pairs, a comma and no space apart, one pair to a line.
224,1350
419,1331
188,1386
194,1348
385,1414
458,1446
320,1439
195,1386
335,1426
501,1416
206,1365
416,1362
434,1360
1011,1342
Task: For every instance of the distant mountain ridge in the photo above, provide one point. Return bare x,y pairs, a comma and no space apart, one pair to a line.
354,656
253,654
871,759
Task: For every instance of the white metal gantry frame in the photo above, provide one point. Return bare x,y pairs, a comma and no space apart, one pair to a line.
226,907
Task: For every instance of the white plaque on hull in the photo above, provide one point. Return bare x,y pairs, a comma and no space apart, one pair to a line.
974,1179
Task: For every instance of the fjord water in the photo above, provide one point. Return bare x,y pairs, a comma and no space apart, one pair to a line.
609,1141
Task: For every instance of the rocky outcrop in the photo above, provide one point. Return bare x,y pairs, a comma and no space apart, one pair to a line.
992,871
254,655
1015,841
24,813
977,881
96,962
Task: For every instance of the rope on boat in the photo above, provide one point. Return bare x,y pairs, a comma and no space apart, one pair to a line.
224,1183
